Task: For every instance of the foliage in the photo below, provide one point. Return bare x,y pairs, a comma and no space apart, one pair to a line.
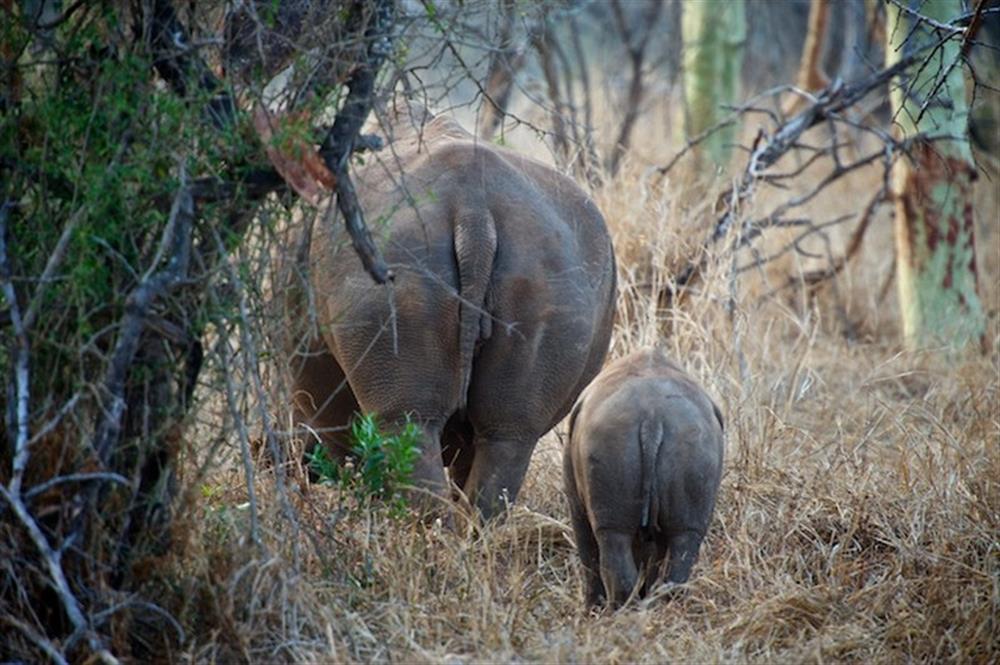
129,171
380,466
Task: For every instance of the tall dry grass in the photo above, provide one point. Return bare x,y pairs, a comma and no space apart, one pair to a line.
858,518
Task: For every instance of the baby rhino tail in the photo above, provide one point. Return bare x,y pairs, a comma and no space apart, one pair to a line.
650,442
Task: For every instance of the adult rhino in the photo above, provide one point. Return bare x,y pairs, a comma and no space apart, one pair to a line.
499,315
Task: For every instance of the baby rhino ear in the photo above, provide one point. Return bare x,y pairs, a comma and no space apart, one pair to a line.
718,416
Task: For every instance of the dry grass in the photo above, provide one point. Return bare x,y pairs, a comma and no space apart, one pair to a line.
859,515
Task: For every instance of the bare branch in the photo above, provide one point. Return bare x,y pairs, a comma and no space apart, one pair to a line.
339,141
52,562
21,356
43,487
767,149
176,245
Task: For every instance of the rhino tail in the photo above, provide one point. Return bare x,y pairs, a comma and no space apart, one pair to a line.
650,443
475,249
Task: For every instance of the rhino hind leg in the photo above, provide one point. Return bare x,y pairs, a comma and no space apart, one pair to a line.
497,473
586,543
586,547
457,450
650,554
684,546
618,570
429,483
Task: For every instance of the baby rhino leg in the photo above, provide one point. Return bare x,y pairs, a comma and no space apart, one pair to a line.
684,546
618,569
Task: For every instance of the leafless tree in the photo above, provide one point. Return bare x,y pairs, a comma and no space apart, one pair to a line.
635,36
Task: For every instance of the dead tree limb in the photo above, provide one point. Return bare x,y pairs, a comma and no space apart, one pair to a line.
768,148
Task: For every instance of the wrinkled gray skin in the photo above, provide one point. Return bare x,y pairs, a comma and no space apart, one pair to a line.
500,313
641,470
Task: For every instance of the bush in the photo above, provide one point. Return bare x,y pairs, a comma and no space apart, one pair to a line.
381,465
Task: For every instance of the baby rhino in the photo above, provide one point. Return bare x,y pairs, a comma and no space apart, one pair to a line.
641,470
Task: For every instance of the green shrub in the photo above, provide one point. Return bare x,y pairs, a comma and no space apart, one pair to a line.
381,466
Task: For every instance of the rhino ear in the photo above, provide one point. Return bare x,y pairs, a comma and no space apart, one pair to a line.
718,416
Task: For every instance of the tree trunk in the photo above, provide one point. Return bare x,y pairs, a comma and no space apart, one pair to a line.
934,225
504,64
713,34
811,76
545,46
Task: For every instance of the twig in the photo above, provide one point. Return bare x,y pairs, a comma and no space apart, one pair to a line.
836,266
42,642
51,265
225,354
52,562
249,346
43,487
963,52
694,141
937,25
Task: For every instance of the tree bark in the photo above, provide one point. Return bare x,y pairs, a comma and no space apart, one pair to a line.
544,45
505,61
635,40
713,35
934,225
811,76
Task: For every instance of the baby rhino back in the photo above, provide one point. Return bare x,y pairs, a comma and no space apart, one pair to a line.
642,469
